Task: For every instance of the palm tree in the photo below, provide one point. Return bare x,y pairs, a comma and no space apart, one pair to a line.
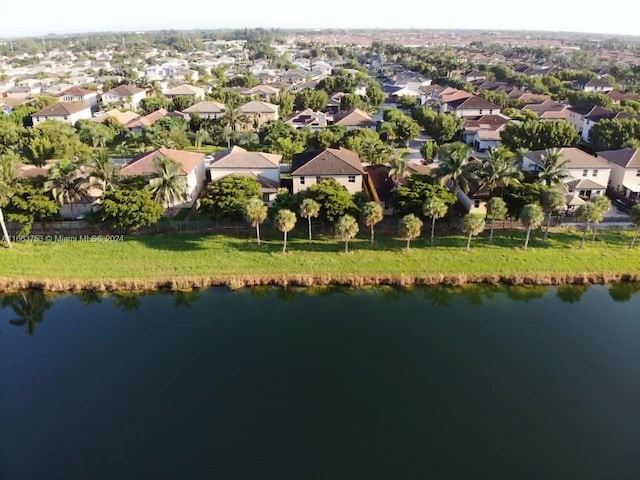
222,134
66,183
553,202
496,210
435,208
200,137
602,205
285,221
499,170
473,224
554,169
635,219
346,229
309,208
7,184
531,217
255,211
372,150
410,228
399,166
169,185
372,214
586,213
30,307
234,117
454,167
104,173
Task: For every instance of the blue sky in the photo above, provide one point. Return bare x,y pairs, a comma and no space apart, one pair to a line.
37,17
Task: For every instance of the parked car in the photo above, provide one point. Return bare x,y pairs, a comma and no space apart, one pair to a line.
621,206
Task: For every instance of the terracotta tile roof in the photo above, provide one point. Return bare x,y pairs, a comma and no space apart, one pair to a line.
238,157
330,161
144,164
626,157
76,92
354,118
148,120
121,117
61,109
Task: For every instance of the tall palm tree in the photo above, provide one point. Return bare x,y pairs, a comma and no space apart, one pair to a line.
234,117
66,183
30,307
473,224
499,170
346,229
435,208
553,202
255,212
455,167
553,170
399,167
285,221
7,185
309,208
410,228
496,210
372,214
531,217
169,185
104,173
201,136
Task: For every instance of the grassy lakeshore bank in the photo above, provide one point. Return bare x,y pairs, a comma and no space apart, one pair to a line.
182,261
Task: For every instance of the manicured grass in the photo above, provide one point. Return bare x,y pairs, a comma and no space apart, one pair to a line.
191,255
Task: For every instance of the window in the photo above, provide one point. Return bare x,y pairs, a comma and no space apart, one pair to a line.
265,197
480,111
352,179
490,112
476,204
66,117
595,173
585,173
638,173
301,180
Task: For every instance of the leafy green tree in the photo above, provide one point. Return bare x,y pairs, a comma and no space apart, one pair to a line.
499,169
635,219
334,199
129,209
255,212
11,134
53,140
152,103
442,127
614,134
496,210
472,224
200,137
539,135
429,150
407,102
168,185
226,198
531,217
95,134
285,221
66,183
410,228
375,95
350,101
399,127
434,208
287,148
7,189
276,130
346,228
29,204
553,170
455,167
327,137
517,196
286,101
316,100
309,209
419,189
553,203
371,215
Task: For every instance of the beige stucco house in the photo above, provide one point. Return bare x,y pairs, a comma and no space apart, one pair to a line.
342,165
625,170
63,112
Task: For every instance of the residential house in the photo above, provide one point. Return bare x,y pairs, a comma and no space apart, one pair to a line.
579,112
354,118
123,118
625,170
8,104
139,124
79,95
259,112
549,110
264,167
475,75
590,120
294,77
126,95
63,112
379,186
484,122
596,85
589,175
474,201
207,109
264,92
617,97
472,106
342,165
185,90
308,118
191,165
395,92
22,91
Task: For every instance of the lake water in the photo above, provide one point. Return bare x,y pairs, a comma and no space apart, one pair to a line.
278,384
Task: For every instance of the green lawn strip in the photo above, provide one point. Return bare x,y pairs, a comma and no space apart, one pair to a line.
185,255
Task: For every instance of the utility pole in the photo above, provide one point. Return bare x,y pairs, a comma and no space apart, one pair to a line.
11,45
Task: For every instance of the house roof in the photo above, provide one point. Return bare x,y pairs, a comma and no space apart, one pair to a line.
354,118
611,116
206,107
125,90
473,102
626,157
238,157
597,82
61,109
185,89
268,185
264,89
256,106
585,110
25,170
585,184
330,161
144,164
121,117
575,157
379,184
486,121
148,120
76,92
476,73
308,117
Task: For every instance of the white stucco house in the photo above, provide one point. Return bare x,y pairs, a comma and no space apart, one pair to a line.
471,107
127,95
625,170
63,112
79,95
340,164
191,164
206,109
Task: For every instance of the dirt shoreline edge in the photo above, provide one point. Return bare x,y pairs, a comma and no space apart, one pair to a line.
8,285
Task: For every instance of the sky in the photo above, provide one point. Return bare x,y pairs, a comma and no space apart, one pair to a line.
39,17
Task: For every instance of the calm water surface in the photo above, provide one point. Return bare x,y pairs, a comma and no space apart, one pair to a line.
276,384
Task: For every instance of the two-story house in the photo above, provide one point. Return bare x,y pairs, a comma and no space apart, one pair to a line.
625,170
579,112
354,118
259,113
206,109
127,95
590,120
589,175
342,165
79,95
472,106
263,92
63,112
596,85
185,90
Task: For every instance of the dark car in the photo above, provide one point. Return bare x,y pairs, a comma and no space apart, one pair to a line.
622,206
